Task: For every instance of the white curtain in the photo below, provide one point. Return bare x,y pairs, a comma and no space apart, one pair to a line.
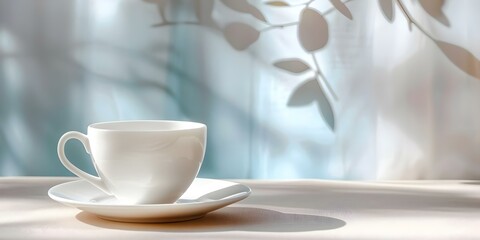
289,89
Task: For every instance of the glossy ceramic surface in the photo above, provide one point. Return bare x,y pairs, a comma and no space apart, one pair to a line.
141,161
203,196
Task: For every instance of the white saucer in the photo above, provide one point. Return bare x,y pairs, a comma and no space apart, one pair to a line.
203,196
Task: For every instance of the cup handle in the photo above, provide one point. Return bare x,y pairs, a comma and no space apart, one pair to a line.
96,181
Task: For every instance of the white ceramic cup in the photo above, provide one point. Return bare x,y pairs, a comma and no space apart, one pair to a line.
141,162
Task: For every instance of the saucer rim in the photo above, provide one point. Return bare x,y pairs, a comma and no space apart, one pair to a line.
235,198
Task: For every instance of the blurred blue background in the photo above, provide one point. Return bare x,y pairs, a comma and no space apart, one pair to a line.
396,114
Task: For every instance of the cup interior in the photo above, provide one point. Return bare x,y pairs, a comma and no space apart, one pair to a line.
145,125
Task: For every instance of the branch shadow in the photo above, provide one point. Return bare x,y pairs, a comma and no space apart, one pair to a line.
229,219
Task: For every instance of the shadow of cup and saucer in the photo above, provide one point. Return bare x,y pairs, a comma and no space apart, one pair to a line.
229,219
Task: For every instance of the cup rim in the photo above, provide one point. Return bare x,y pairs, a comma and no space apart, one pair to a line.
181,126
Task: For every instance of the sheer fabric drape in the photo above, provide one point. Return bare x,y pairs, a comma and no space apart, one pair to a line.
375,100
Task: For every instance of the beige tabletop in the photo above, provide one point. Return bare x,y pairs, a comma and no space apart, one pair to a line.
305,209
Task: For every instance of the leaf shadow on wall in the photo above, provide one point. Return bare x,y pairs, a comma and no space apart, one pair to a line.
459,56
434,9
313,33
183,89
241,35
